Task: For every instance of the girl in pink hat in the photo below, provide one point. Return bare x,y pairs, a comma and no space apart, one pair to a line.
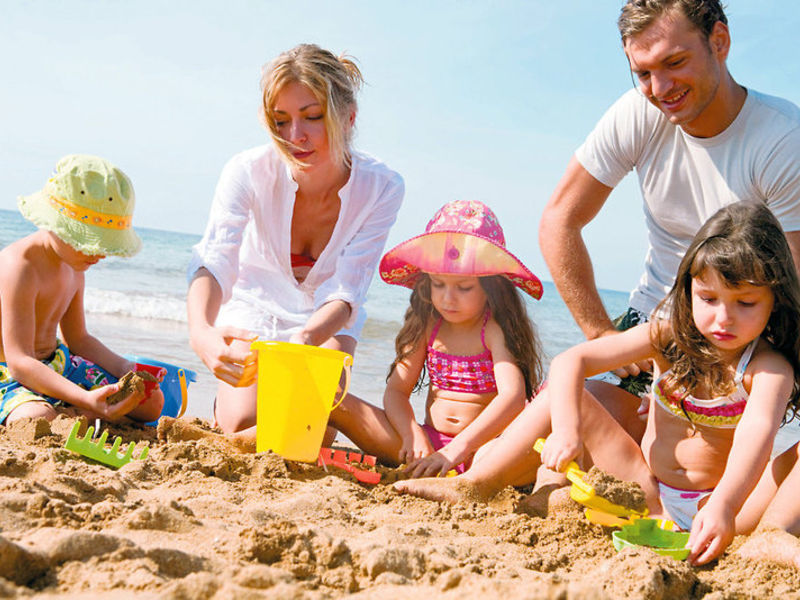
467,328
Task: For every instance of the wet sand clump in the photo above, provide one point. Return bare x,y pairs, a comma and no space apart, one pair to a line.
625,493
129,383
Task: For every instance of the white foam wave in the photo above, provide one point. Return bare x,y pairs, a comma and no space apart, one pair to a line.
143,306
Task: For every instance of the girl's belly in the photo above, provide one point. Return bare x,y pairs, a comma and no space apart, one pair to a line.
682,457
450,412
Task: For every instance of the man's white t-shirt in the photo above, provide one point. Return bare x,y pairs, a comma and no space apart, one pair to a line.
684,180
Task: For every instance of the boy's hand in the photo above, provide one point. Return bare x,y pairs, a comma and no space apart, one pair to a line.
559,449
98,402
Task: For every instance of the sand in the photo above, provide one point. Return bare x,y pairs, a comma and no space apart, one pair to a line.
197,519
628,494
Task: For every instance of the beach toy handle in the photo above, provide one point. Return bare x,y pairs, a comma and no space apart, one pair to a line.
348,363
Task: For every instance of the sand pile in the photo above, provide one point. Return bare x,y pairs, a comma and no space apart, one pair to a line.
196,520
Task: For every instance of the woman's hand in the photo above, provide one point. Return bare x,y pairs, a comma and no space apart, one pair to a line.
559,449
713,529
226,352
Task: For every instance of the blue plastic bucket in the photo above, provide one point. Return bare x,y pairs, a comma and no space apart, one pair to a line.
175,385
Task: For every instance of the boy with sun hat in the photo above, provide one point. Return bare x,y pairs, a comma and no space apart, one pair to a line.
84,214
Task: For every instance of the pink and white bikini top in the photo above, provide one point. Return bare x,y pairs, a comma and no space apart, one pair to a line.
723,412
454,373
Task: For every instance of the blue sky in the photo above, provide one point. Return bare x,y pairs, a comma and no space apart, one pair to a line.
467,100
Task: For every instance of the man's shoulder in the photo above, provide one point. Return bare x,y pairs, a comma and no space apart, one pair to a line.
778,112
776,104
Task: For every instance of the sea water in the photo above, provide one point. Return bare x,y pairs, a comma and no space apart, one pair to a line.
137,306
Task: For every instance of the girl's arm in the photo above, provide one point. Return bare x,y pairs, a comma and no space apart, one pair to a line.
396,403
566,380
713,527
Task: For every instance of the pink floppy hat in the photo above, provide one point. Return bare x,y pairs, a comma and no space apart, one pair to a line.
464,237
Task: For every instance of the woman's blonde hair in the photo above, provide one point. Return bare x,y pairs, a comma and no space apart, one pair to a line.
333,80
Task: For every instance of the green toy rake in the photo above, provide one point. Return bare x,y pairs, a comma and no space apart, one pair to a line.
97,450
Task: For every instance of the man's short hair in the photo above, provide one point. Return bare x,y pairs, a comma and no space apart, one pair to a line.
638,15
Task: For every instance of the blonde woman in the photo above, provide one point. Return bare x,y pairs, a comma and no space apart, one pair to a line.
295,232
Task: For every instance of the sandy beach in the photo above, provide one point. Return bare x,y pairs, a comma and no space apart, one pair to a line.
197,520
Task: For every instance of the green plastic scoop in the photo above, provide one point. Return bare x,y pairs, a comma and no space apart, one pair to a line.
648,533
97,450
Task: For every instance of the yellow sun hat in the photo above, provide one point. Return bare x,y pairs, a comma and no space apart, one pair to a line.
88,203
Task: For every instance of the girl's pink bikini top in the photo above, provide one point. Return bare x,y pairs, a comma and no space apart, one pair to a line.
723,412
473,374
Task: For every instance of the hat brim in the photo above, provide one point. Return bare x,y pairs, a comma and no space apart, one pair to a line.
83,237
455,253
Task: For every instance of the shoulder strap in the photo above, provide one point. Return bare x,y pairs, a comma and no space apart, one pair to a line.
434,331
483,329
745,360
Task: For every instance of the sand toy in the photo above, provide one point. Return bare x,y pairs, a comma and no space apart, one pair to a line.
175,384
298,386
650,534
98,451
342,459
585,494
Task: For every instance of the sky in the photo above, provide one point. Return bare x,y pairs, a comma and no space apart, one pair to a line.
466,100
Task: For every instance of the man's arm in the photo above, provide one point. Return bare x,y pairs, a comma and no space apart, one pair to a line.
575,202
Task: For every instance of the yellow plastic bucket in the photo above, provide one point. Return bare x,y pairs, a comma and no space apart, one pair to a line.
296,389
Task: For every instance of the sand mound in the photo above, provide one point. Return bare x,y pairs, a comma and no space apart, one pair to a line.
196,520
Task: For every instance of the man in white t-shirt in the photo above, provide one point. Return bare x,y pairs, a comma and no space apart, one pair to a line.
698,141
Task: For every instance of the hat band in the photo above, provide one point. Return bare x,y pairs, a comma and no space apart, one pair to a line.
90,217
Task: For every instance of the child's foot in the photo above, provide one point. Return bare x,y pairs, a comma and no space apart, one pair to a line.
180,430
545,500
772,544
447,489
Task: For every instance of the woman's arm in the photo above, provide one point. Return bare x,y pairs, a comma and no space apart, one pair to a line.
323,323
713,528
359,258
234,365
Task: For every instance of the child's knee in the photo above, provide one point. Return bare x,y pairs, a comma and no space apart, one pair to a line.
32,410
150,409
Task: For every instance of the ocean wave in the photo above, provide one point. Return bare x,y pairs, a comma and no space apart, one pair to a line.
143,306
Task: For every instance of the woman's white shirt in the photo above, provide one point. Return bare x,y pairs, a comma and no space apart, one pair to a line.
247,243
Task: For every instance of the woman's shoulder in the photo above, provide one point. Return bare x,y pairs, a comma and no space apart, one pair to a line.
264,159
264,155
366,166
